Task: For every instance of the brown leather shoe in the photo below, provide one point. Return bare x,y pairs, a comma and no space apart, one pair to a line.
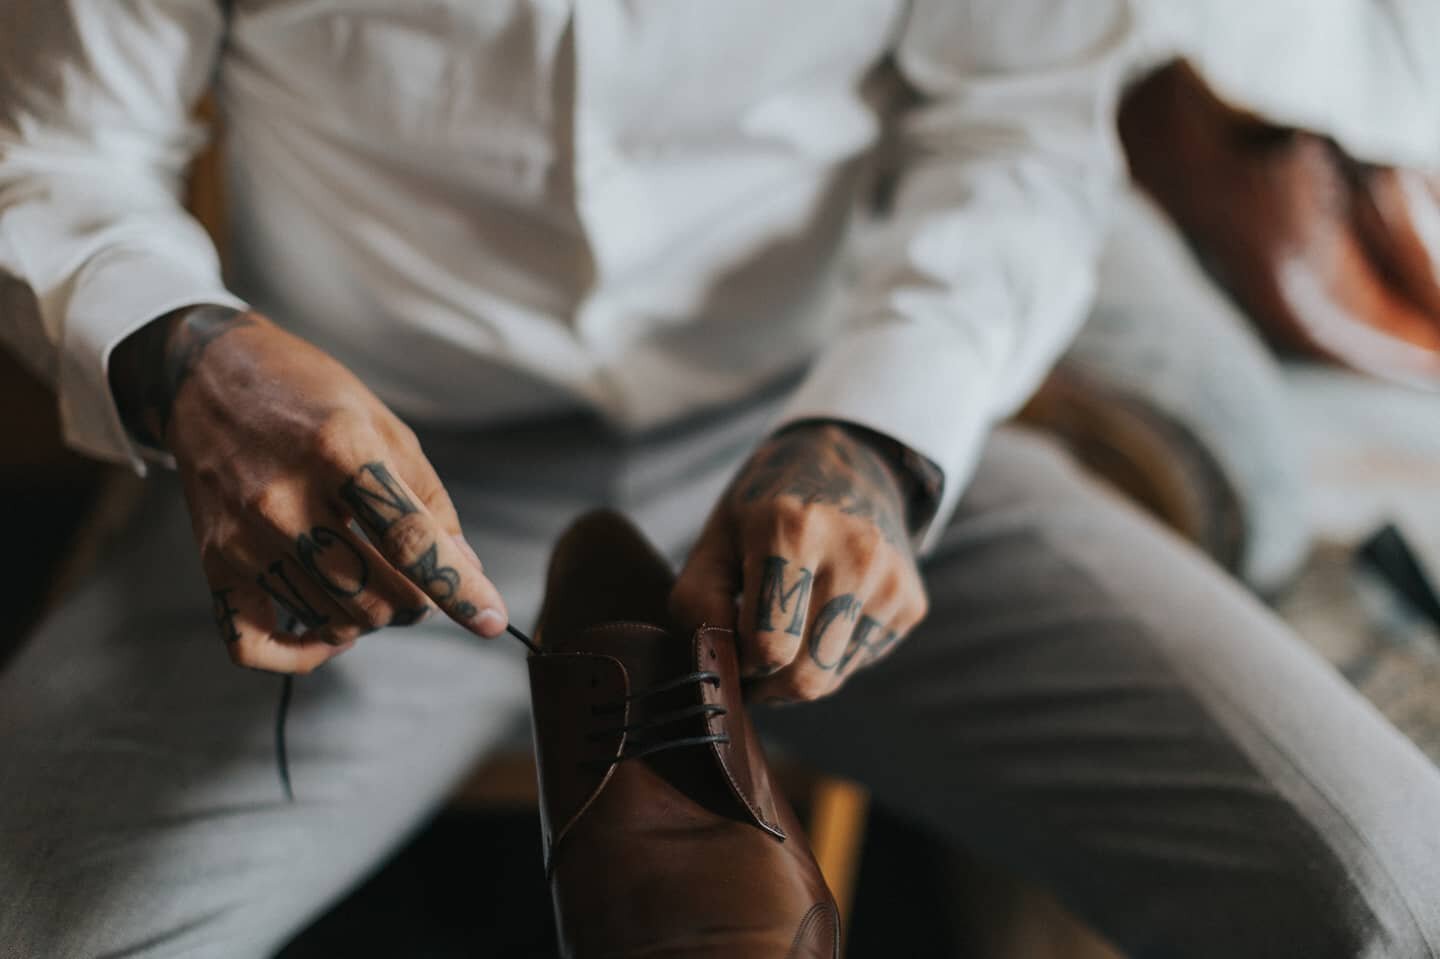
1322,252
663,834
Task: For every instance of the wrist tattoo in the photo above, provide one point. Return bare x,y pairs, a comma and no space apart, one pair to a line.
155,361
829,466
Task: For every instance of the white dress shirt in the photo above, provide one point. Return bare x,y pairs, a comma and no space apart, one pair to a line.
489,209
1366,72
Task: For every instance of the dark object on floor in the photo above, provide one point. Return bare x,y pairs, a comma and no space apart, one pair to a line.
471,885
1389,555
55,490
664,833
467,886
1320,250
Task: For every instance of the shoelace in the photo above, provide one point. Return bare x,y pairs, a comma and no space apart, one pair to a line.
282,714
653,723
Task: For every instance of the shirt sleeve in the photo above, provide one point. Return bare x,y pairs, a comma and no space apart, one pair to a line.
985,266
96,133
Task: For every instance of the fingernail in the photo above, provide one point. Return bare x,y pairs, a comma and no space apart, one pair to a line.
467,549
491,622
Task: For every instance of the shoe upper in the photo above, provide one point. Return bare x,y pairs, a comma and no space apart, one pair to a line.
663,833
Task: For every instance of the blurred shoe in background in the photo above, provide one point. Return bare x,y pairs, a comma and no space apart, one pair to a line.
1328,256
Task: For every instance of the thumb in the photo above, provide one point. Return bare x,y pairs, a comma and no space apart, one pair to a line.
705,593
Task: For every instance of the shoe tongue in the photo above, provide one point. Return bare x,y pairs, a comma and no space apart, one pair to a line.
650,654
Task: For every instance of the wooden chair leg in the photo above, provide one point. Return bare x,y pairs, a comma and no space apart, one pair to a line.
839,810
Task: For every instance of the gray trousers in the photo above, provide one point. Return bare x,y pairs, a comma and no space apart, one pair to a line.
1090,703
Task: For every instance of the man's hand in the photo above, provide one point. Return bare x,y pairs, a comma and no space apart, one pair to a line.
811,535
305,493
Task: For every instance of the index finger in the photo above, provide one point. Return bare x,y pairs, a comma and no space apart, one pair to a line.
414,541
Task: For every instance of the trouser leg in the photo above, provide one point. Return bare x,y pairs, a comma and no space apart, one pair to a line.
140,809
1093,705
141,813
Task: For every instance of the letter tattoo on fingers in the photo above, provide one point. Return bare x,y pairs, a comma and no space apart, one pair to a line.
842,608
225,615
860,642
289,598
308,548
379,501
775,598
429,575
376,497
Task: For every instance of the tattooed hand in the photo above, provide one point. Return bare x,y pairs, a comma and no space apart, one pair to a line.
811,535
312,504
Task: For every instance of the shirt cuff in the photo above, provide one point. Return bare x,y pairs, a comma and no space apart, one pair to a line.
116,293
914,384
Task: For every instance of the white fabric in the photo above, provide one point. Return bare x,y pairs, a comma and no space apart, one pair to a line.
489,209
1366,72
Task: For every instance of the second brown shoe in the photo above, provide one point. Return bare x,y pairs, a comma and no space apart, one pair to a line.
664,837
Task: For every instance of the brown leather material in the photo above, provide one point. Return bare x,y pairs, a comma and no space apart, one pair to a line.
663,839
1313,246
1385,221
562,722
739,756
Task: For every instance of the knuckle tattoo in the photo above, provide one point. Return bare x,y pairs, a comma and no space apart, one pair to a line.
353,573
278,584
840,609
441,582
407,539
376,498
784,596
224,614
